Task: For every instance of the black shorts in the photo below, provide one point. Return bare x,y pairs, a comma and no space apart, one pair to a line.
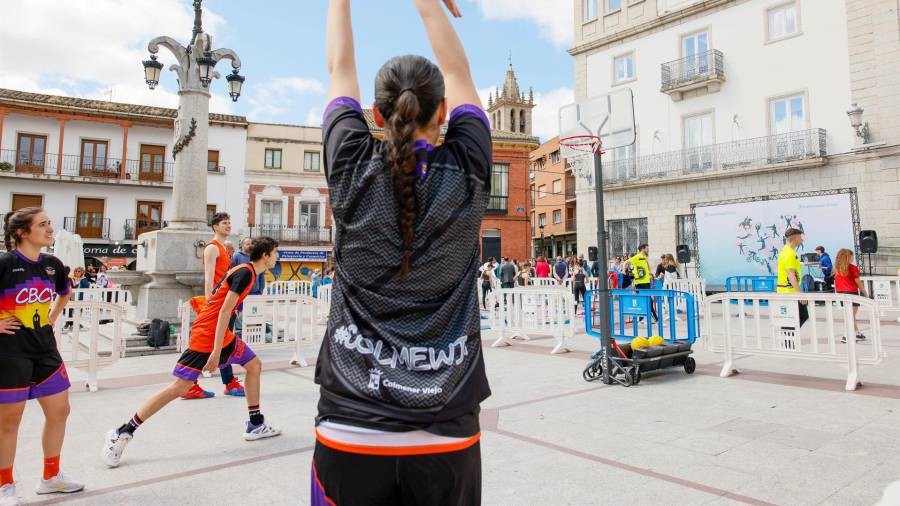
855,304
643,286
348,479
30,377
190,364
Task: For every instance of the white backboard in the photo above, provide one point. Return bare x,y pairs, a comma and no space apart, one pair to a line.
609,117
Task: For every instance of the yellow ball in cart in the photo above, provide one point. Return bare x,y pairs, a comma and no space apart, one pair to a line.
639,342
657,341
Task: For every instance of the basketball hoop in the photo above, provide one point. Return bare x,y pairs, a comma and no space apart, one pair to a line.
575,146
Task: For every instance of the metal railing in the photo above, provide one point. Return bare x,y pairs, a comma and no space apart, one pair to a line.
87,231
135,227
302,235
497,205
744,154
687,70
94,167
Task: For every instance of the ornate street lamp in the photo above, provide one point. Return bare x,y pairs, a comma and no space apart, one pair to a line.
205,65
235,81
152,69
541,226
862,129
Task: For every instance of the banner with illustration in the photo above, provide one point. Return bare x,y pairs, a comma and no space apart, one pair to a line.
744,238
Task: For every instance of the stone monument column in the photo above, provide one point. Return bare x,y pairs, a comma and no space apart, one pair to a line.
172,257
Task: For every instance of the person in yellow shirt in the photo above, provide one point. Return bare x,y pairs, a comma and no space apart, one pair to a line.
642,277
789,268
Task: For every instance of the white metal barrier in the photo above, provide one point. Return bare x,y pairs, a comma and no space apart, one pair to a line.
323,300
544,282
111,295
694,286
288,288
773,330
269,321
886,292
84,342
520,311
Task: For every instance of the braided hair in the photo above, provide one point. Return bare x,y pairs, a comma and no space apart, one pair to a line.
17,222
408,91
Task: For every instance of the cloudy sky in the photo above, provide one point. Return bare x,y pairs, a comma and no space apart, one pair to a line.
93,49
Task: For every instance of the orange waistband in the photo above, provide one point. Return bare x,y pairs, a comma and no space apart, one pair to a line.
397,451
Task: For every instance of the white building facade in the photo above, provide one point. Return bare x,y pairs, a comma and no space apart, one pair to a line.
105,170
741,99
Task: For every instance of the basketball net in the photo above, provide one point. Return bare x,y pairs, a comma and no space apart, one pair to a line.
579,150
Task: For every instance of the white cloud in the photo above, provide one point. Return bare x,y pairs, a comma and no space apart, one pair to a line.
554,18
277,97
546,112
314,116
86,49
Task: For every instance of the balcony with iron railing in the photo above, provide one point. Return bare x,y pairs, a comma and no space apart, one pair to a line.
570,188
800,148
93,168
87,226
134,228
571,225
701,70
497,205
305,236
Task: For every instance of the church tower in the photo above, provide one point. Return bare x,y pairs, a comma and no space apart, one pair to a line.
510,110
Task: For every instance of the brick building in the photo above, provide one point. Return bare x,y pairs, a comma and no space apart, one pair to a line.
553,225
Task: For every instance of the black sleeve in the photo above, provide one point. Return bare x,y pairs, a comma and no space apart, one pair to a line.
468,137
240,280
6,263
60,280
346,137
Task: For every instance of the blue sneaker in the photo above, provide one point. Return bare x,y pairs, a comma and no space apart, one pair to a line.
235,388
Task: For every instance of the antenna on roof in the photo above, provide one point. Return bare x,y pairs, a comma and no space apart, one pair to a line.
109,95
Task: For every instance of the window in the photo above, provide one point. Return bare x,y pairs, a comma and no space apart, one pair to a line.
273,159
212,161
613,5
542,191
554,157
211,210
93,157
557,187
30,153
783,21
20,200
590,10
623,165
695,53
490,243
687,232
309,215
532,195
626,235
787,114
153,163
89,220
557,217
311,161
698,139
623,68
499,188
542,219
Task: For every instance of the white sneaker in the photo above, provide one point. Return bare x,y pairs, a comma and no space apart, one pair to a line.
8,495
113,447
261,432
59,483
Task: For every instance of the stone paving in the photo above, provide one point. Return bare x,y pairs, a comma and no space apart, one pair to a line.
782,432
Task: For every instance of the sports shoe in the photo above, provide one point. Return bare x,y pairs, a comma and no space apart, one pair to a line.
8,495
113,447
59,483
197,393
261,431
235,388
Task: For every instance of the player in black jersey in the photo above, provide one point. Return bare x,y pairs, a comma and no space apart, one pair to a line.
401,368
30,364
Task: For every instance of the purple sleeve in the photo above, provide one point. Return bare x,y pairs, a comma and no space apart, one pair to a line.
470,110
341,102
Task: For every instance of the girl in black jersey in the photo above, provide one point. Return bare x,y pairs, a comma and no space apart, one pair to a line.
400,368
30,364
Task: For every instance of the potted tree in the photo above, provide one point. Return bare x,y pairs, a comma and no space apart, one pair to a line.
6,167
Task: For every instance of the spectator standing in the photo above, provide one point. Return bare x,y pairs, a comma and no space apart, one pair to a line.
827,267
507,274
579,286
560,271
542,268
847,281
789,269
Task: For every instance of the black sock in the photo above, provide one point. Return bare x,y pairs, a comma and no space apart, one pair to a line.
256,418
131,426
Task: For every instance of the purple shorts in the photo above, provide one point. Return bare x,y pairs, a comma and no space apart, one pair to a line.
190,364
23,378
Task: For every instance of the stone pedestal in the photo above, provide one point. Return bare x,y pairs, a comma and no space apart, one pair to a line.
164,255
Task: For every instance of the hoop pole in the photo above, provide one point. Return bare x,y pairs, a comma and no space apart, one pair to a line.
603,281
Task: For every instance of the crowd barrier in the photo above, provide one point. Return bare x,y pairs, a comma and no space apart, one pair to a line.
111,295
323,302
516,312
270,321
631,315
288,288
885,290
89,336
774,332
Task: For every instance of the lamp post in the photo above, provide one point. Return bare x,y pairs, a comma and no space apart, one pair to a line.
541,226
194,68
862,129
169,259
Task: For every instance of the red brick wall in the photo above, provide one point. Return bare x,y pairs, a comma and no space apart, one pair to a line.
514,226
